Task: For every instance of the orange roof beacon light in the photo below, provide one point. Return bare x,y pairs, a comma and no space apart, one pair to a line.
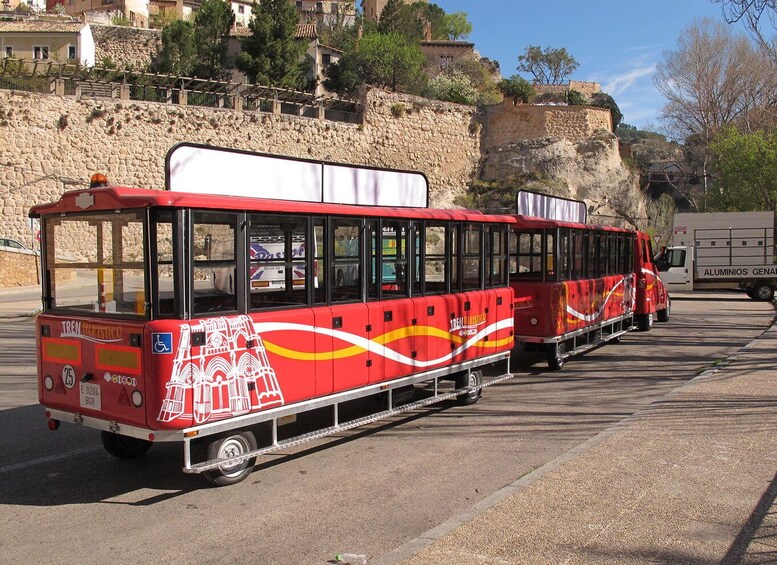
98,180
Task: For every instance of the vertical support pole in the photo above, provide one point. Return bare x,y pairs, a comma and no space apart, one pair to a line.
187,453
275,431
337,414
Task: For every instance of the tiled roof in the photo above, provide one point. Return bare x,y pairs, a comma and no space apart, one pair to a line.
306,31
37,26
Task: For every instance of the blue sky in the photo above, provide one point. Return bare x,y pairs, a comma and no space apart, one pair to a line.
617,42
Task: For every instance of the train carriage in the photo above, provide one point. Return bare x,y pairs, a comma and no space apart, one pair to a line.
164,320
579,286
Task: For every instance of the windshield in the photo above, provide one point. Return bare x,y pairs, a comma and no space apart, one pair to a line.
95,263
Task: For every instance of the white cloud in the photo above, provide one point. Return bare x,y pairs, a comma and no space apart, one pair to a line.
622,82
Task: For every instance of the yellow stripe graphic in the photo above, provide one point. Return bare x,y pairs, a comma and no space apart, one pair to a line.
389,337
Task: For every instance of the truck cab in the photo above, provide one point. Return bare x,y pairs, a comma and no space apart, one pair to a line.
675,265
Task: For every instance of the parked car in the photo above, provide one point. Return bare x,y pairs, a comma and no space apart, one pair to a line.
8,244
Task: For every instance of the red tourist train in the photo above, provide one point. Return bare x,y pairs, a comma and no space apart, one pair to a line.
198,318
154,328
578,286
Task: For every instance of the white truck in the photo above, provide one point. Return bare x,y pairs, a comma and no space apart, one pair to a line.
722,250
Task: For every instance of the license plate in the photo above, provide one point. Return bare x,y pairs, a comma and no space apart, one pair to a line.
90,396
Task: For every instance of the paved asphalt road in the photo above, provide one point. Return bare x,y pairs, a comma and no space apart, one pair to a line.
64,500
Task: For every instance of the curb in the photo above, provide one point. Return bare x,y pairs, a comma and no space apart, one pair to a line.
410,548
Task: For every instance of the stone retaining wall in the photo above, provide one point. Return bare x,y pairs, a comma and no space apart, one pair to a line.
509,123
18,269
49,144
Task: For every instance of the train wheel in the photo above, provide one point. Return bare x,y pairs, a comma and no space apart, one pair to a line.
555,353
644,322
124,447
233,445
663,315
473,378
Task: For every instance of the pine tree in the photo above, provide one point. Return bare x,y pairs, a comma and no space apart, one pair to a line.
212,25
271,55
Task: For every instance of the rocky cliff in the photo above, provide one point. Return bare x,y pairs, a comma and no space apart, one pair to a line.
590,170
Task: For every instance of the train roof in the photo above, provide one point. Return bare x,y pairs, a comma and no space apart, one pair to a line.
120,197
529,222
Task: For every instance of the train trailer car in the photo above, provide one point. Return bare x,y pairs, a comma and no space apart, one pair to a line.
158,327
578,286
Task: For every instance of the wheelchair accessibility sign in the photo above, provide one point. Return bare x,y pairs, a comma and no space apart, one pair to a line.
162,343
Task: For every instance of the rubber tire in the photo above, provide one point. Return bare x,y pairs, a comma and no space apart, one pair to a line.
124,447
763,293
473,378
231,445
663,315
555,354
644,322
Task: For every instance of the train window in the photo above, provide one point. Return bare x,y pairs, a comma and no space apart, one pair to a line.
550,256
590,244
215,266
320,283
601,254
344,273
435,263
528,254
164,248
394,272
577,249
630,242
277,261
496,255
472,262
612,254
565,257
455,245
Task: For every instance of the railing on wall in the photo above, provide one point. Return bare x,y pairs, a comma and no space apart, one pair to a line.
69,79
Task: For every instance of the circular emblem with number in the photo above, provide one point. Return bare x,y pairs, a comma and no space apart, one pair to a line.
69,376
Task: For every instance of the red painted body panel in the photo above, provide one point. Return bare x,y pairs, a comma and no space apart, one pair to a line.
563,307
249,363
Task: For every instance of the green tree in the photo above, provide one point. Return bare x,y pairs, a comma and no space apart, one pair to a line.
576,98
212,24
385,60
746,171
453,87
397,17
604,100
178,52
271,55
457,26
517,88
548,66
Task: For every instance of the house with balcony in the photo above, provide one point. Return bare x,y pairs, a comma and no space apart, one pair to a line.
47,40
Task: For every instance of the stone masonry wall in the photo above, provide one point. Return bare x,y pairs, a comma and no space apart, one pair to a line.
507,123
49,144
587,89
18,269
125,45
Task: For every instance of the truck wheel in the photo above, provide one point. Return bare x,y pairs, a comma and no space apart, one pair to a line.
231,445
474,378
644,322
555,354
124,447
763,292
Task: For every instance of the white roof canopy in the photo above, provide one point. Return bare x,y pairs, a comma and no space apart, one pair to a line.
215,170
